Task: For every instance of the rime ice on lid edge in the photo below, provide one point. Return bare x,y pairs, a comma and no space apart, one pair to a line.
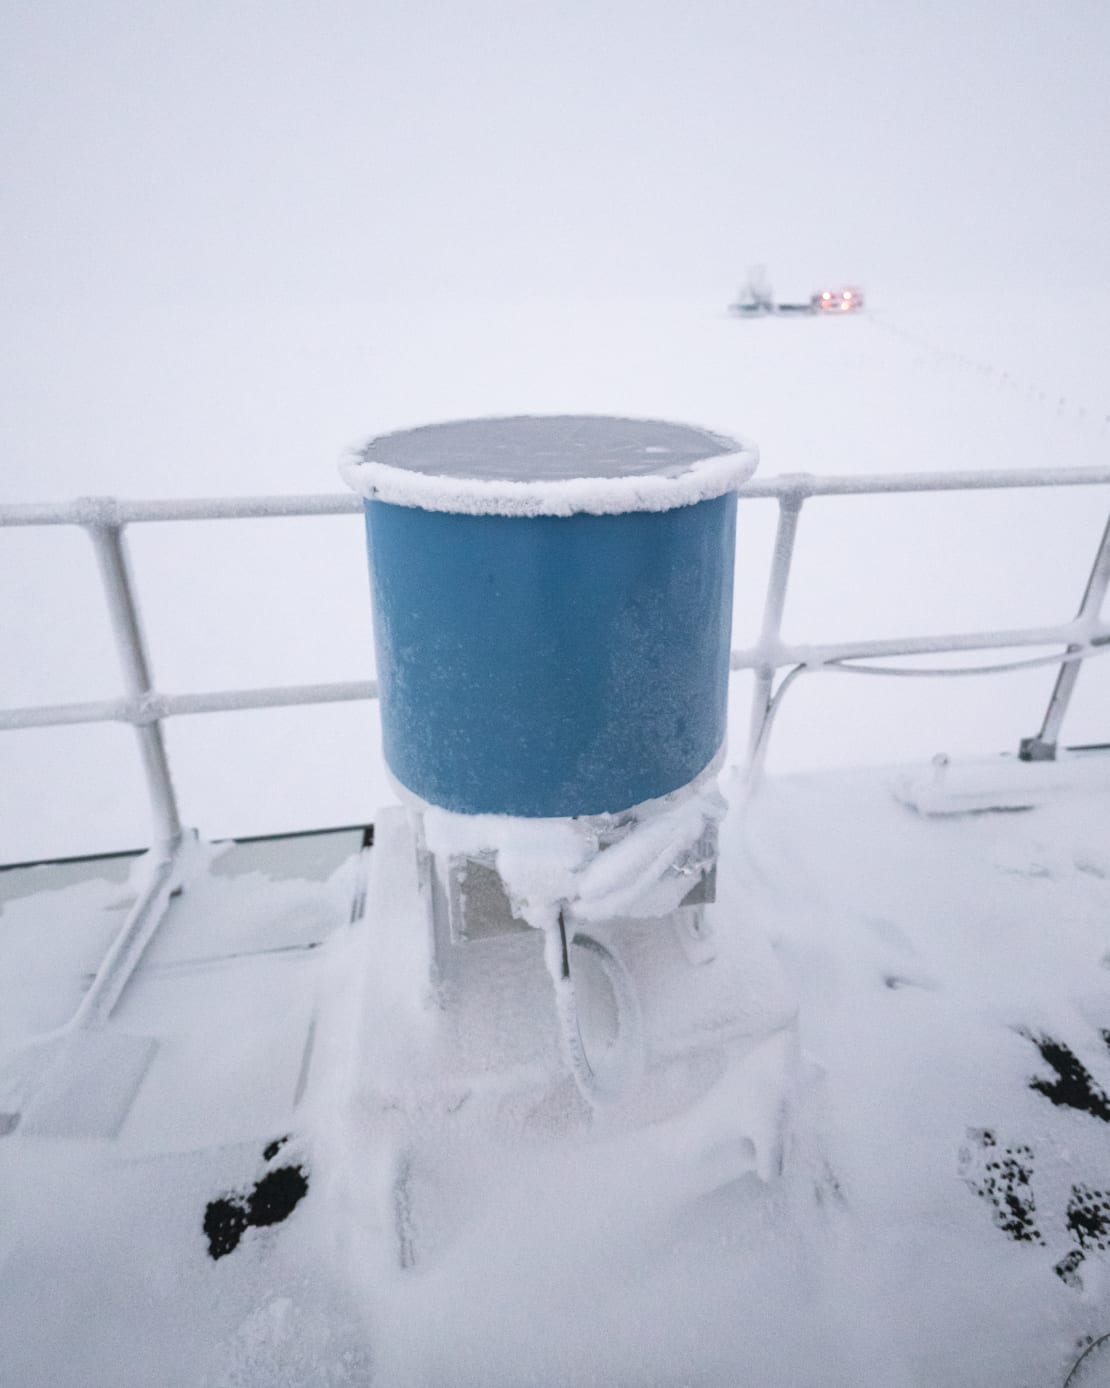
549,466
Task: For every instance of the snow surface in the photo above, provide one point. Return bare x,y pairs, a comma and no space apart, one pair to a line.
929,955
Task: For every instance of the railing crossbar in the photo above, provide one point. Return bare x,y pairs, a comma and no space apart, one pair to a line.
152,707
802,485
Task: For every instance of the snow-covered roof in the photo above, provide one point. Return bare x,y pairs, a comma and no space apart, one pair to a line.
942,1213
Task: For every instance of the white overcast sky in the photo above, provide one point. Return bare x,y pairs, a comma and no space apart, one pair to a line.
245,152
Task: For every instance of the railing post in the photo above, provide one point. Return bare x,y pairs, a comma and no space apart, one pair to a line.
101,520
790,508
1042,747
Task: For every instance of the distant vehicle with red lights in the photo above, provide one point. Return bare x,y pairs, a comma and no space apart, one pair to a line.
837,301
757,300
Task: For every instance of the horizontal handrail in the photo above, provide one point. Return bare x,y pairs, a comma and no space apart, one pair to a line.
94,511
825,653
803,484
111,511
153,707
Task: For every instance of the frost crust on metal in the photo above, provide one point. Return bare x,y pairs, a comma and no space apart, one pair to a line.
599,466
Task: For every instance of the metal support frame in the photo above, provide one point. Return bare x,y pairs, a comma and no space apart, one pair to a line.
1042,747
790,510
1084,636
115,574
145,708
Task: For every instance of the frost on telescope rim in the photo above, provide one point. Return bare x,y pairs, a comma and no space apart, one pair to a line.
549,465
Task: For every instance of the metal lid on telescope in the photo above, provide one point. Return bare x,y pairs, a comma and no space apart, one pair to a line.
549,465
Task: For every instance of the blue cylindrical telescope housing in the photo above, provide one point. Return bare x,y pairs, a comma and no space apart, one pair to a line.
552,608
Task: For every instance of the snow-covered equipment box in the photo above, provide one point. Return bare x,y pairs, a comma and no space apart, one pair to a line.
552,612
553,605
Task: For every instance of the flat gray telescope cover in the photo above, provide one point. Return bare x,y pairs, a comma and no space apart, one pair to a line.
549,465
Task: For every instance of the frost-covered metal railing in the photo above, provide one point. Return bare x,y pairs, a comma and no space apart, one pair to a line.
1082,637
104,519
